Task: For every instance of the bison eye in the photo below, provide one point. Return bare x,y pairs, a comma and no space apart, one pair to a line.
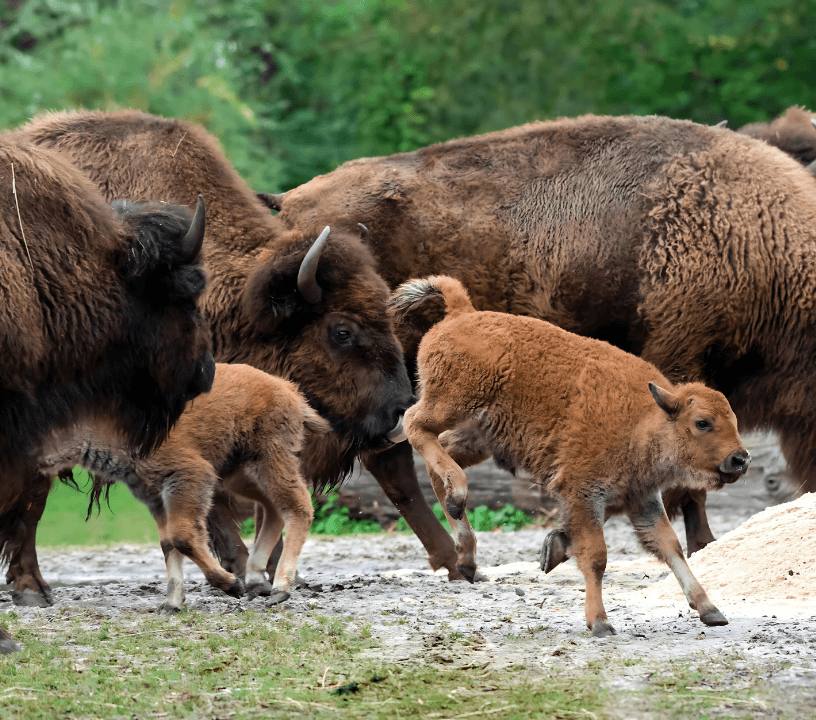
342,335
703,425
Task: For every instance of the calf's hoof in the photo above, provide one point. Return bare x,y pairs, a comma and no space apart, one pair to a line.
553,550
237,589
258,589
277,597
32,598
167,608
468,572
601,628
713,617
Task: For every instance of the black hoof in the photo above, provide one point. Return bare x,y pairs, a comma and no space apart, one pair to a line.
468,572
553,550
29,598
479,576
7,645
168,609
299,581
258,589
237,589
601,628
277,596
713,617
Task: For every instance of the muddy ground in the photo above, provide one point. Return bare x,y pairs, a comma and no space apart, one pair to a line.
519,616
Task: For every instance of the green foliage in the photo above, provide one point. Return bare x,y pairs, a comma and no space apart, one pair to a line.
294,89
483,518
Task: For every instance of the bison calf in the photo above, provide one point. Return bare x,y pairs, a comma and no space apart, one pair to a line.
602,428
242,440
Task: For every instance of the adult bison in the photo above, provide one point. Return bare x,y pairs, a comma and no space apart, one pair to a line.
311,311
98,323
691,246
794,133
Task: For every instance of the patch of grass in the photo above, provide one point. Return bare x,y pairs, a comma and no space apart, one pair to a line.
482,518
275,664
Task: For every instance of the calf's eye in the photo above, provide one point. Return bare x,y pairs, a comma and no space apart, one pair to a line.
343,335
703,425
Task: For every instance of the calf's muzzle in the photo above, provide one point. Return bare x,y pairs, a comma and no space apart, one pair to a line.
736,463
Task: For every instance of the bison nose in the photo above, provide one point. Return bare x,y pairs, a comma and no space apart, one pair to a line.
737,462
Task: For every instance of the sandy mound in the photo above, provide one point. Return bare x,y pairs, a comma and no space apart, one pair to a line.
771,556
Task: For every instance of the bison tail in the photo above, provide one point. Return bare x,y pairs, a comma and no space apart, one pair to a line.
313,422
434,297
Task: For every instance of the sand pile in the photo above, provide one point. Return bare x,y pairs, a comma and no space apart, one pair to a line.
771,556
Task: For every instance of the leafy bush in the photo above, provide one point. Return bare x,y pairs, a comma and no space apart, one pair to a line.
483,518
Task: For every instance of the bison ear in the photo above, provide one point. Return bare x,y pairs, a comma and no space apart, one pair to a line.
270,297
271,200
664,399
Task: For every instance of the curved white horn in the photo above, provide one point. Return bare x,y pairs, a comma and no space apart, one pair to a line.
307,274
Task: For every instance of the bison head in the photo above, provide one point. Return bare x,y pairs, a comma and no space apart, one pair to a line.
321,307
704,436
163,357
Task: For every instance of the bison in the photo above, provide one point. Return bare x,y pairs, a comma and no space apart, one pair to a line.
240,440
794,133
312,311
99,322
691,246
604,430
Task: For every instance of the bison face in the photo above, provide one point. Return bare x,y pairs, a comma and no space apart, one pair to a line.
164,358
704,434
320,320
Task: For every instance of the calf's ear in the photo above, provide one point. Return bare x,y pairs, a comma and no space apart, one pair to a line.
664,399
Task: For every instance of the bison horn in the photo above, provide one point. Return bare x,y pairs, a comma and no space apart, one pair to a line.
813,122
307,275
271,200
192,241
364,229
812,168
397,435
722,123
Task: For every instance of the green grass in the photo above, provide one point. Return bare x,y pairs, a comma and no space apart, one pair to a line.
274,664
128,521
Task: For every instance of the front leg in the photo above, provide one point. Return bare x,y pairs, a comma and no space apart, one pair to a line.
29,587
394,471
656,534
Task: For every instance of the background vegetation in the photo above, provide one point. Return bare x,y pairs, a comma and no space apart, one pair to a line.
292,89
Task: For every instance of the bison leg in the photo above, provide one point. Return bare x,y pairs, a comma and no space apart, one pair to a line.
7,645
174,597
187,502
692,503
224,532
589,549
29,587
658,537
423,424
394,471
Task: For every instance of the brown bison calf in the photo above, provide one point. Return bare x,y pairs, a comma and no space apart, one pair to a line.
603,428
242,440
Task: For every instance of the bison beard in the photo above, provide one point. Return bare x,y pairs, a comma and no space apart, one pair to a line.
101,324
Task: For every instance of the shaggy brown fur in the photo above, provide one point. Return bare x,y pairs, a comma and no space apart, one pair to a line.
98,320
794,133
692,246
239,440
577,414
341,350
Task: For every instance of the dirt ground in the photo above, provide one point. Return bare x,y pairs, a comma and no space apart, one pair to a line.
518,617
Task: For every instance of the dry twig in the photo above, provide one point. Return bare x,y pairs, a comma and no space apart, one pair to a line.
19,219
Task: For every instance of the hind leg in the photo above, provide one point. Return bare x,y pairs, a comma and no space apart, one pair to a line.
657,535
423,424
173,559
222,522
187,499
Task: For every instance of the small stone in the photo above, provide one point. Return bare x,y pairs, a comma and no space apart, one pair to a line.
519,592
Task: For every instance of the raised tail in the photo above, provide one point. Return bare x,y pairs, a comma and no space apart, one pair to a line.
313,422
434,298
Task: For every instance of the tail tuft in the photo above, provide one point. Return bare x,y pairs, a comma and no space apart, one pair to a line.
433,298
313,422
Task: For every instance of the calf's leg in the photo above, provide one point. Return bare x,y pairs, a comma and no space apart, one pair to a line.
226,538
692,503
656,534
394,471
173,559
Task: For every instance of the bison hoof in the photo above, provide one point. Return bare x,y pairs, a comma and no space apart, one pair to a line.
277,597
299,581
167,609
479,576
237,589
468,572
258,589
31,598
713,617
601,628
553,550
